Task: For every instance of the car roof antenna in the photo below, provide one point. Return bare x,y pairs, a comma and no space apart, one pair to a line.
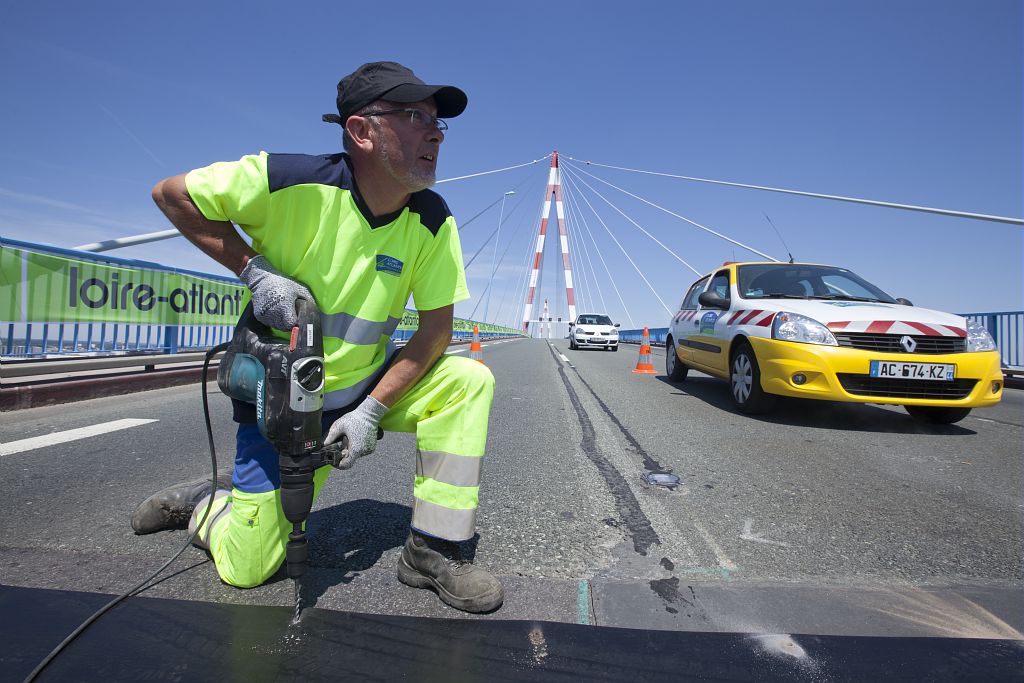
780,237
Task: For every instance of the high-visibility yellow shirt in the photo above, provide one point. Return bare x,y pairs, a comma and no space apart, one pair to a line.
306,217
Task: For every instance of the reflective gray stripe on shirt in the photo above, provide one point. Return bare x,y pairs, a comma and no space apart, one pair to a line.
457,470
357,330
342,397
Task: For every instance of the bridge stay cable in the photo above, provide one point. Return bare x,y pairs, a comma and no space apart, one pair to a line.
520,291
576,218
495,231
512,238
586,291
600,255
583,286
572,178
640,227
582,242
856,200
681,217
501,260
497,170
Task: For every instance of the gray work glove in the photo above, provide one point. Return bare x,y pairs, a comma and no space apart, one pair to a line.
273,293
360,427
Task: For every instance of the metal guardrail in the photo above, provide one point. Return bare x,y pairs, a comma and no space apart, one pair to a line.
77,364
83,340
39,340
1006,327
69,364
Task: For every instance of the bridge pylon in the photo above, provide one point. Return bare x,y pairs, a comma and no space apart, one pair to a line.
554,187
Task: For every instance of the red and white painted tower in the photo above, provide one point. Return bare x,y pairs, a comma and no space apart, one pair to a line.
554,187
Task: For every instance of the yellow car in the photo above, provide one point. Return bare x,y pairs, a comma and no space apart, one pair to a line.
821,332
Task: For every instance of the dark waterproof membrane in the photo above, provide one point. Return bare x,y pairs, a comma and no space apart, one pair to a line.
157,639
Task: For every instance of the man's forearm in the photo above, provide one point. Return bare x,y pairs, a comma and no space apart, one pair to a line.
219,240
418,356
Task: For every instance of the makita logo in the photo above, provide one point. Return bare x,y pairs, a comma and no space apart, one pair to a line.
259,400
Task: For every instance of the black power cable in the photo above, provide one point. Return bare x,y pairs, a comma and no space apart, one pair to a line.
142,585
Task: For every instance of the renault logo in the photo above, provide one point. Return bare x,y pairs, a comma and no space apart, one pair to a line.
908,343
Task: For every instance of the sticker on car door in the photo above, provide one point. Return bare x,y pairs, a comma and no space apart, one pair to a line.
707,323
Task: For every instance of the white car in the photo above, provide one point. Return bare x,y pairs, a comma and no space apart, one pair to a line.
593,330
814,331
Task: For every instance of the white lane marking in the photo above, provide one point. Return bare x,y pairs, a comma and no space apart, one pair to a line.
70,435
456,350
723,560
563,358
748,535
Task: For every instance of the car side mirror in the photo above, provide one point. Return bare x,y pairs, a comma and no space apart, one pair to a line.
904,302
571,324
712,300
617,324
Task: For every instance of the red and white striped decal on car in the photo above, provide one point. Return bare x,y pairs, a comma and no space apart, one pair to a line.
757,317
897,327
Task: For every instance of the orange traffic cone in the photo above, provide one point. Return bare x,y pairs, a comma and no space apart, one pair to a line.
643,364
474,347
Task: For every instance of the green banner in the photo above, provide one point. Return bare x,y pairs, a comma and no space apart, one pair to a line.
38,287
43,288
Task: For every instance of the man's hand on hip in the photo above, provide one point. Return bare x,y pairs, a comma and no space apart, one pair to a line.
273,293
360,427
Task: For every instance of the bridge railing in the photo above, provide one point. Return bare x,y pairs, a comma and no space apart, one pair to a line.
57,302
1006,327
657,335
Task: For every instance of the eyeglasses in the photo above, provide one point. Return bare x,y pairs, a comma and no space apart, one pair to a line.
419,119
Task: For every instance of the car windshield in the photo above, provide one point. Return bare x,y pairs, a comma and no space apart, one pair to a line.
593,320
799,281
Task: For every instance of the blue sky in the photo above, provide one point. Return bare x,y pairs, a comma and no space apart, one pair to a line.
911,102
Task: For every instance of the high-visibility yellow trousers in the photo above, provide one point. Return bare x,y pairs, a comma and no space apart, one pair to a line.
448,409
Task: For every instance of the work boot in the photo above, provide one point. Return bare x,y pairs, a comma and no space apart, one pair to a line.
428,562
172,507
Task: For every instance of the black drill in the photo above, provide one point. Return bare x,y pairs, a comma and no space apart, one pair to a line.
284,378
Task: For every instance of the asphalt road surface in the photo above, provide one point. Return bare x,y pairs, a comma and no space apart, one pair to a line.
821,518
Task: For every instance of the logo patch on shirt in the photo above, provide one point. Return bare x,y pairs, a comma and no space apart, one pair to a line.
389,264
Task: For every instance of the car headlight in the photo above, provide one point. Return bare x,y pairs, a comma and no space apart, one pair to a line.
799,328
978,338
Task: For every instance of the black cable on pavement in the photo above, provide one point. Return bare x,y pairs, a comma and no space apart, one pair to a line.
142,585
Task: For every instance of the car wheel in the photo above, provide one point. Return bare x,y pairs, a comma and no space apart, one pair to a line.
615,348
675,370
937,415
745,383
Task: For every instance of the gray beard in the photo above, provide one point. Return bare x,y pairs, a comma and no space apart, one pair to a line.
411,180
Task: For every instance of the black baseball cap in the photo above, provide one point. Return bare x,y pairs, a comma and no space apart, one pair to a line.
393,82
